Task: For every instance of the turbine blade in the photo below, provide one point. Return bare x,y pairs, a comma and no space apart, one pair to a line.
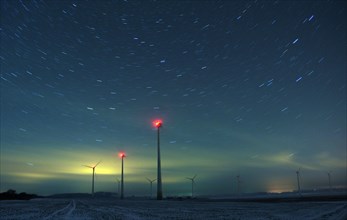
87,166
148,179
194,177
97,163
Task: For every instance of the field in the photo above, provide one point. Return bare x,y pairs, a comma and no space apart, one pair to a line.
111,208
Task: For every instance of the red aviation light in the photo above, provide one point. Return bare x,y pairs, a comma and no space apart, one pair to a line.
121,154
157,123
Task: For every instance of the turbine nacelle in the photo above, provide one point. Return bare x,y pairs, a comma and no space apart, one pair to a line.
93,167
192,179
151,181
158,123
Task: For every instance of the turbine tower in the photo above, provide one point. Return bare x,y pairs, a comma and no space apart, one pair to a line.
151,183
93,167
158,124
298,175
122,155
193,182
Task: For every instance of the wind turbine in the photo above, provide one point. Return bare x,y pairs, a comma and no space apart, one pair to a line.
118,181
158,124
193,182
151,183
93,167
298,176
238,184
329,177
122,155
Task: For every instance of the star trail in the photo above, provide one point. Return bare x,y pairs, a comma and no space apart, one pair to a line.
248,91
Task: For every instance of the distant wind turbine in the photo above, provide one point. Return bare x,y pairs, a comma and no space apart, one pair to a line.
151,183
193,182
298,177
329,178
93,167
238,182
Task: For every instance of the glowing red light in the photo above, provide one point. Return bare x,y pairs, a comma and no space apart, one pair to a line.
157,123
121,154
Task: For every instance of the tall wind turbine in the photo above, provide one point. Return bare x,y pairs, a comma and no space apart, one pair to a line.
158,124
122,155
93,167
193,182
151,183
298,176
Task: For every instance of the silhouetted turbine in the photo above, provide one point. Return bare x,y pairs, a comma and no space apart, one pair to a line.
193,182
298,176
158,124
93,167
151,183
122,155
238,184
329,178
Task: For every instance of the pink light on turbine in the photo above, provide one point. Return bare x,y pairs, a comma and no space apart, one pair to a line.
121,154
158,123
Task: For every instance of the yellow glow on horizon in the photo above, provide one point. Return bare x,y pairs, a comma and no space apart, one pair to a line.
69,162
278,190
65,165
34,175
22,177
275,185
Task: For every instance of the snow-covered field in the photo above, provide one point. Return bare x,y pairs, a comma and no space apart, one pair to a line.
107,208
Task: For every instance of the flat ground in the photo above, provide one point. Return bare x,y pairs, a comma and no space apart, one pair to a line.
107,208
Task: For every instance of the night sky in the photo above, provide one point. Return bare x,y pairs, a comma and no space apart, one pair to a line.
249,88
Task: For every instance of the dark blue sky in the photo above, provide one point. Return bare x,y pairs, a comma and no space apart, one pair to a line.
249,88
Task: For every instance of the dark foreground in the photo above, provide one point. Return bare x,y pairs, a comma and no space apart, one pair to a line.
112,208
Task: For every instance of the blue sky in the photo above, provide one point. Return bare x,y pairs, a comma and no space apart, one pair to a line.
256,89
